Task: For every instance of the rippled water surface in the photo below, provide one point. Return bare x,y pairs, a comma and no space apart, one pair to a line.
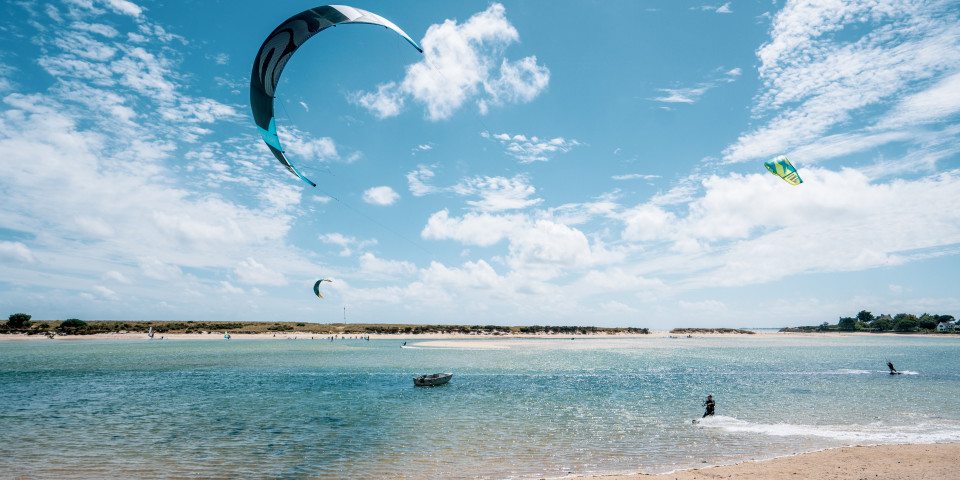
531,409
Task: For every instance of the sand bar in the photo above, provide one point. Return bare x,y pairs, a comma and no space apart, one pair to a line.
427,337
884,462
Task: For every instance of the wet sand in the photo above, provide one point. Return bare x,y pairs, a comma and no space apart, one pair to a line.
884,462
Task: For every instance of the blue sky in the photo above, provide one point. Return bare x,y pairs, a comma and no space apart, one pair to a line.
588,163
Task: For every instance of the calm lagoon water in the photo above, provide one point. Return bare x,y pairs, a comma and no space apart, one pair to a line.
534,409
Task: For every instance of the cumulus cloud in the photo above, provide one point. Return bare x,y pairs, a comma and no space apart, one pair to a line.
370,264
104,292
472,229
532,149
228,288
15,252
347,243
125,7
387,101
252,272
498,193
303,146
735,233
534,244
418,181
115,276
382,196
152,267
461,63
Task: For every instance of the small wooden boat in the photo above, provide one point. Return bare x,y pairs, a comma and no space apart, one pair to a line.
432,380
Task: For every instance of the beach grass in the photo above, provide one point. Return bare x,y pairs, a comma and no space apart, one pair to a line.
91,327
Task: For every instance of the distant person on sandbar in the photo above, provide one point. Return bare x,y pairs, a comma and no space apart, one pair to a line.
710,404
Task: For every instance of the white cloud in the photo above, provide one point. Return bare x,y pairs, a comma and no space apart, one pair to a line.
15,252
681,95
647,222
819,73
303,147
617,307
939,102
152,267
382,196
725,8
537,246
104,292
115,276
532,149
471,229
519,82
125,7
462,62
227,288
703,307
426,147
252,272
347,243
498,193
473,275
370,264
635,176
200,111
417,181
693,94
751,229
386,102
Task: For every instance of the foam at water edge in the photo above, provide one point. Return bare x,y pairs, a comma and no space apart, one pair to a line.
928,431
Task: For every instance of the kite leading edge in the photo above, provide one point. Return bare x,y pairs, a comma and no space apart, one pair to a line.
276,52
316,286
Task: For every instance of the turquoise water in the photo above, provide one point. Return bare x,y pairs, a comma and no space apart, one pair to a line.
534,409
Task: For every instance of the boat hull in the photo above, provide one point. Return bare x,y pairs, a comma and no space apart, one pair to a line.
432,380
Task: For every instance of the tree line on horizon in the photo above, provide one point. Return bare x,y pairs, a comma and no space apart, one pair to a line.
868,322
21,323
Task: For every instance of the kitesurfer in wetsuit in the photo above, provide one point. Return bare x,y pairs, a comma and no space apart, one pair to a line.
710,404
893,371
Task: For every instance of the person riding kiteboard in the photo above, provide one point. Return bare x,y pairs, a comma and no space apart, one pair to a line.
710,404
893,371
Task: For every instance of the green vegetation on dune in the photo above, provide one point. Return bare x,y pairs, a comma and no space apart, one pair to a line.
711,330
901,322
75,326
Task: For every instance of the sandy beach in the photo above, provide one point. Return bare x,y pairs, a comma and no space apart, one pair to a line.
435,339
885,462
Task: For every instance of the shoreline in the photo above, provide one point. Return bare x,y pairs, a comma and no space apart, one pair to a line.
890,462
302,335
